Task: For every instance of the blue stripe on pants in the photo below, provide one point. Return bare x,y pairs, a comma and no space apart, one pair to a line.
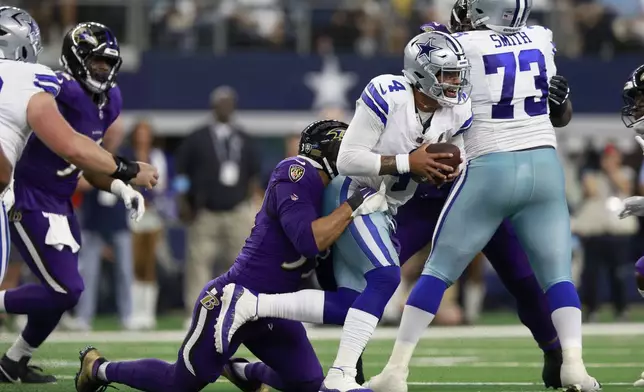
5,242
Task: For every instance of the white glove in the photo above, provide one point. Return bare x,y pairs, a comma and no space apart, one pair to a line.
640,141
375,202
633,205
8,197
132,199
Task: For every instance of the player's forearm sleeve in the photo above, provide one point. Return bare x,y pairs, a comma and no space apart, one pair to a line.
356,157
296,215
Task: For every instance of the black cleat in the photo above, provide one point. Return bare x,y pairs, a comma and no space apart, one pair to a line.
360,375
246,386
21,371
552,361
85,380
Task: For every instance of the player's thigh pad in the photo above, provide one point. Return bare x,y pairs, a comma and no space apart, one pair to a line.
541,218
57,269
474,209
365,245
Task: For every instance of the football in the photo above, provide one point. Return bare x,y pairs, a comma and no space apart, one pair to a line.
454,161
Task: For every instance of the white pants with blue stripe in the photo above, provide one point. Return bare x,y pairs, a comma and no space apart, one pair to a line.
525,186
364,246
5,241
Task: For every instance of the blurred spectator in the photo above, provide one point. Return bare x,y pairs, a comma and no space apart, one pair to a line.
54,17
173,22
217,172
104,223
255,22
146,232
606,239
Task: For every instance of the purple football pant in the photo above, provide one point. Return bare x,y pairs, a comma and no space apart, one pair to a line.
416,221
288,360
61,284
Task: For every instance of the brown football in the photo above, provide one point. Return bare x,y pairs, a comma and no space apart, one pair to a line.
454,161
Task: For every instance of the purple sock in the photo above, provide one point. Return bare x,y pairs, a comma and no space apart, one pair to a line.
337,304
381,285
259,371
561,295
533,310
427,294
153,375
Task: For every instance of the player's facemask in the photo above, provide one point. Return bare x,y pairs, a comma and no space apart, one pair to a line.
451,85
101,72
633,110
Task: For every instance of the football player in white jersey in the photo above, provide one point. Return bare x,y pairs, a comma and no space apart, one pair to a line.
395,119
27,102
512,172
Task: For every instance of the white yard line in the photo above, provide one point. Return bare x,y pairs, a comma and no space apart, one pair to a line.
333,333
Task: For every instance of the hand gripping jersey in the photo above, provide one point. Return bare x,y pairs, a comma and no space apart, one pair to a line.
43,180
510,78
387,123
18,83
271,260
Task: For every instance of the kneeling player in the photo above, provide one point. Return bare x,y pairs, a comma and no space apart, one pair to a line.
395,114
287,227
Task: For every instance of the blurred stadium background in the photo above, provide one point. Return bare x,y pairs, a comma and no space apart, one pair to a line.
276,65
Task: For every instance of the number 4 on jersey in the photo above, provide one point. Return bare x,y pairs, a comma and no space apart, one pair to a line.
533,107
396,86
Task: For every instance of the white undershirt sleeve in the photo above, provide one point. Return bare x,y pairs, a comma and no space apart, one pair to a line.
356,156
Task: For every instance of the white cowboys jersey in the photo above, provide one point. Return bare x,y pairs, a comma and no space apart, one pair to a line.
18,83
394,126
510,77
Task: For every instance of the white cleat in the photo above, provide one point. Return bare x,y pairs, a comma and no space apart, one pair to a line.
238,306
640,382
391,379
342,380
575,378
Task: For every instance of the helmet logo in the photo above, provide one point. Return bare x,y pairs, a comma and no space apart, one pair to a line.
295,172
424,49
83,34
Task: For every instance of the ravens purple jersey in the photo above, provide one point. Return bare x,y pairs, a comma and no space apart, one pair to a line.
43,180
273,257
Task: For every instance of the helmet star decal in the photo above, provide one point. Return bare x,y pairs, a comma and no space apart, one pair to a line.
424,49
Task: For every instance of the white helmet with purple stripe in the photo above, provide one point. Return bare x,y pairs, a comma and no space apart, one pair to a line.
502,16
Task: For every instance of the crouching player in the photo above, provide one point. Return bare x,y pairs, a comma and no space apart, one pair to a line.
288,226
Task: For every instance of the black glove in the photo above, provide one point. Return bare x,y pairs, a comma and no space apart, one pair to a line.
559,91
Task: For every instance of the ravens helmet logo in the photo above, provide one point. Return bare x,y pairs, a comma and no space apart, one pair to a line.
84,34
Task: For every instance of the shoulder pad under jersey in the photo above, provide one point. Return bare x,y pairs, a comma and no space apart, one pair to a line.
383,94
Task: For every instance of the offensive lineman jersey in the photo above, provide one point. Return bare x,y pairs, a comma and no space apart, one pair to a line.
271,260
510,77
387,122
43,180
20,81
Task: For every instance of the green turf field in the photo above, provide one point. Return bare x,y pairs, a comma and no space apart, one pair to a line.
488,358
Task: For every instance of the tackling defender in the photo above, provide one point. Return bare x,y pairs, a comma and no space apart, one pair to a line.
632,116
288,226
394,115
43,225
512,172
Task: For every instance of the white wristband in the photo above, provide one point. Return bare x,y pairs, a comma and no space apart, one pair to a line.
402,163
641,292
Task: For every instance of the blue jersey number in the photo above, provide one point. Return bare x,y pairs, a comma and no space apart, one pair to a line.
504,109
396,86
